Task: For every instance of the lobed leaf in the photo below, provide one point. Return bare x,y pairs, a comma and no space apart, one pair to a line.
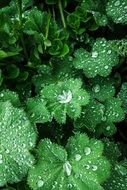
17,138
79,166
117,10
98,62
65,98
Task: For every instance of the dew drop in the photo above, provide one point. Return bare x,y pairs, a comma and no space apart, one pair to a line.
95,54
77,157
1,95
40,183
67,168
77,175
106,67
108,128
69,185
109,52
87,151
79,98
96,88
94,167
87,167
103,118
66,97
117,3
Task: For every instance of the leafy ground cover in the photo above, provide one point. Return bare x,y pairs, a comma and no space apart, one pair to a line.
63,95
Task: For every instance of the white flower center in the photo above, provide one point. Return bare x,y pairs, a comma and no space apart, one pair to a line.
66,97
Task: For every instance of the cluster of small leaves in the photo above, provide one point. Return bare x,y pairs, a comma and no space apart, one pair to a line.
103,110
89,15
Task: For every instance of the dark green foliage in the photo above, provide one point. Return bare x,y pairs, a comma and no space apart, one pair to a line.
63,95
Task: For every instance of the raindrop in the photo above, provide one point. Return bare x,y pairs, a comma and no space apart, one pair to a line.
77,157
103,118
7,151
87,151
78,175
108,128
40,183
96,88
1,95
117,3
95,54
66,97
109,52
106,67
87,167
79,98
67,168
70,185
94,167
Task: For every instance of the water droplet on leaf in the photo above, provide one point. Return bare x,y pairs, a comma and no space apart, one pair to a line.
66,97
87,151
95,54
117,3
109,52
77,157
94,167
106,67
40,183
96,88
67,168
108,128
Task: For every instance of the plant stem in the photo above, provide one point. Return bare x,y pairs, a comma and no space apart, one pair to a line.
47,27
61,13
19,8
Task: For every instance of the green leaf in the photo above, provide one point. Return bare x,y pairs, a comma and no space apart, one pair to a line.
90,117
99,62
64,50
107,128
65,98
101,88
12,71
17,137
36,21
111,151
4,54
118,179
120,46
79,166
37,110
122,95
73,21
7,95
113,110
117,10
